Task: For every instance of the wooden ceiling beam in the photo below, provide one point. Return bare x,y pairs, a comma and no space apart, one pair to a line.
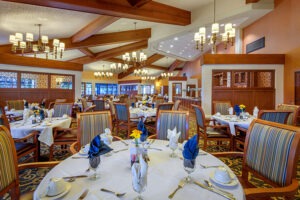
155,57
10,59
174,65
112,52
151,11
252,1
92,28
138,3
87,52
99,39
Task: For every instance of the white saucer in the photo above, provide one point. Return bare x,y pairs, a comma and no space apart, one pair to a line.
232,183
68,187
81,152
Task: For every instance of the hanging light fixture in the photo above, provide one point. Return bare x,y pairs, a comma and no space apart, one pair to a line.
117,68
227,37
135,57
148,78
103,74
41,46
166,75
141,72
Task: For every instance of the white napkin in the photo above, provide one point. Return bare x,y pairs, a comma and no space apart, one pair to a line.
230,110
26,115
50,113
173,138
150,99
106,137
144,97
255,112
139,174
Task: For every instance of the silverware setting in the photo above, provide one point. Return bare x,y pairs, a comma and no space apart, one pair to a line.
210,166
74,177
115,193
35,125
180,185
79,157
83,195
116,151
209,184
158,149
124,142
231,197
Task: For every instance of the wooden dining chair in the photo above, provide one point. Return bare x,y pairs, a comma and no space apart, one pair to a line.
99,104
169,119
278,116
9,168
212,135
26,147
15,104
221,107
177,105
271,154
123,119
62,108
89,125
85,107
294,117
51,104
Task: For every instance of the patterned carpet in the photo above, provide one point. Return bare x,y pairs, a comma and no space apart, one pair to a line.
30,178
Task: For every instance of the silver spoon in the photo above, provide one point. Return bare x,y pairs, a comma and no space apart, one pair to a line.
115,193
209,184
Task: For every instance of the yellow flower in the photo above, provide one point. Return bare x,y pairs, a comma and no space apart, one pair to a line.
242,107
136,134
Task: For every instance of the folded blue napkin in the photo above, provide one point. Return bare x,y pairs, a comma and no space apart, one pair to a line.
191,149
132,104
141,126
97,147
237,109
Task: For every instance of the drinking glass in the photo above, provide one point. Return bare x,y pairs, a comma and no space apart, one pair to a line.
189,167
173,147
94,164
140,186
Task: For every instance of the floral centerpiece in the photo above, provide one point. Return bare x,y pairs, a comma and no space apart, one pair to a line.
136,134
238,109
242,107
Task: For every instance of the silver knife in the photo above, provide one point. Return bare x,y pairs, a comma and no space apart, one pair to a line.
214,190
85,192
78,176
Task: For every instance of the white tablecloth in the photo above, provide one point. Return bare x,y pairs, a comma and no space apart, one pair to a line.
15,113
138,112
164,174
18,130
232,121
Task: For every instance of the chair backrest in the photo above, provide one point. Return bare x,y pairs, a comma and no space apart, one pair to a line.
111,107
164,106
278,116
91,124
122,112
272,151
169,119
62,108
60,100
293,117
9,175
3,119
200,116
221,107
177,105
159,100
84,104
15,104
100,105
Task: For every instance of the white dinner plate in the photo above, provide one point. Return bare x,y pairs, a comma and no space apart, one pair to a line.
68,187
81,152
232,183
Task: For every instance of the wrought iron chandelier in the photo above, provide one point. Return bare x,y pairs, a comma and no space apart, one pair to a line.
148,78
134,58
117,68
41,46
103,74
227,37
166,75
141,72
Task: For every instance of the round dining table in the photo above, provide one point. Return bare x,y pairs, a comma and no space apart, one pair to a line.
114,171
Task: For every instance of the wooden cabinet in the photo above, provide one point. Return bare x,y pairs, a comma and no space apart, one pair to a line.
248,87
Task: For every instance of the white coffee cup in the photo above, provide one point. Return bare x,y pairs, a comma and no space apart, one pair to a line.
222,175
56,186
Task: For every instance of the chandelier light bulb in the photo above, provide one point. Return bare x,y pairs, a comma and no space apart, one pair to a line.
215,28
19,37
29,37
12,38
56,42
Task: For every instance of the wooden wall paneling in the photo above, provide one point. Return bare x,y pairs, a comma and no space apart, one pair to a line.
34,95
264,99
62,94
243,97
8,94
221,95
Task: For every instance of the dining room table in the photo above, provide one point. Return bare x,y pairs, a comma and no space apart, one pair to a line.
163,175
233,120
142,111
20,129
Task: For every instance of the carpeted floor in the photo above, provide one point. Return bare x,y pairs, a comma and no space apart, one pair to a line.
30,178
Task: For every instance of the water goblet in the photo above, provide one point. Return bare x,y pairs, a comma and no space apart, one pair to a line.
173,146
189,167
139,186
94,164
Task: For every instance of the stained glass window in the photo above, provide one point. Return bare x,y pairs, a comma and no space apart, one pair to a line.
30,80
8,79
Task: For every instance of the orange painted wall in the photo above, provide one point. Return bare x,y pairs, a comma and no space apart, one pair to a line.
281,29
192,70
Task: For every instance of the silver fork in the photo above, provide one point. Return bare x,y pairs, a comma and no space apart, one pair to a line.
115,193
210,166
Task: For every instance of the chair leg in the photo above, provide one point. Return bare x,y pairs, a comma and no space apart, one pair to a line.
51,152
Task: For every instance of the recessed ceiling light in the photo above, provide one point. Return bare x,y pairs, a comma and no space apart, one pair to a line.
168,51
208,36
175,38
171,46
190,56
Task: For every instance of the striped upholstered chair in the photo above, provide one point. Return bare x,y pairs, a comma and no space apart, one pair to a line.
212,135
9,168
15,104
89,125
293,117
279,116
62,108
99,105
169,119
271,153
221,107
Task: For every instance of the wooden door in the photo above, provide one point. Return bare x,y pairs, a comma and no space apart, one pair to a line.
297,88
